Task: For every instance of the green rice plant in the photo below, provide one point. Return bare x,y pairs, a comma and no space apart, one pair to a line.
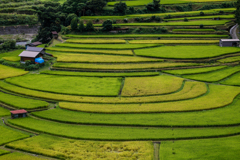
120,52
194,70
104,46
230,59
142,86
8,135
69,85
120,66
63,148
226,116
20,102
190,90
4,112
232,80
12,59
218,96
173,41
2,152
14,53
214,76
101,74
97,41
230,16
6,72
189,23
149,36
186,52
193,30
120,133
18,156
211,149
90,58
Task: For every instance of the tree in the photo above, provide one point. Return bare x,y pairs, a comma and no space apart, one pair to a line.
107,25
81,26
74,23
74,6
69,18
237,13
89,26
95,5
120,8
153,6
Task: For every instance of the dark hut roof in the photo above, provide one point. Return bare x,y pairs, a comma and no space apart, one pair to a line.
54,32
36,43
35,49
19,111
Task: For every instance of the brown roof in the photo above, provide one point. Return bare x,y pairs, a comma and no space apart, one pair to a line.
19,111
54,32
36,43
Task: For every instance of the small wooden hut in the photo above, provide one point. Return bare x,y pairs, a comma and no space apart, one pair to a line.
18,113
29,55
229,42
55,34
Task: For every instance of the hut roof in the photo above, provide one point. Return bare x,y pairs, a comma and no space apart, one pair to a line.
29,54
35,49
19,111
36,43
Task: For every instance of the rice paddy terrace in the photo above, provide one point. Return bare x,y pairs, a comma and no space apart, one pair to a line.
128,96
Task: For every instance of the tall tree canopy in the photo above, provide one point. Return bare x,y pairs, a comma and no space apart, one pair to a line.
237,14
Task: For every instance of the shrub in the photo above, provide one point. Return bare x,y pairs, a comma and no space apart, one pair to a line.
120,8
221,12
164,30
96,20
201,26
201,13
114,21
158,19
81,26
74,23
185,20
107,25
125,20
137,19
168,16
90,26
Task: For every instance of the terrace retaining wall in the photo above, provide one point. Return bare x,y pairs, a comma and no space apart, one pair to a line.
19,29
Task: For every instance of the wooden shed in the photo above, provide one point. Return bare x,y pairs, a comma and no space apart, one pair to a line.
229,42
18,113
34,44
29,55
55,34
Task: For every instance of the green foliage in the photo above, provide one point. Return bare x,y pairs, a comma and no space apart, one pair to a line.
8,45
69,18
107,25
81,26
237,14
153,6
89,26
18,156
74,24
95,5
120,8
73,6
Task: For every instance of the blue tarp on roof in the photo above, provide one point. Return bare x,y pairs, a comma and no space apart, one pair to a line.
39,60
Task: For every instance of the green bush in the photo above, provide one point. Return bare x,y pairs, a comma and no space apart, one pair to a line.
158,19
90,26
74,23
185,20
125,20
107,25
201,13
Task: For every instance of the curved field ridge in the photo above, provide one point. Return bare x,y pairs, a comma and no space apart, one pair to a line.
142,86
218,96
90,58
101,74
230,59
189,23
2,152
4,112
211,149
69,85
190,90
232,80
9,135
117,52
120,66
20,102
186,52
214,76
63,148
149,36
94,41
104,46
225,116
194,70
230,16
173,41
6,72
120,133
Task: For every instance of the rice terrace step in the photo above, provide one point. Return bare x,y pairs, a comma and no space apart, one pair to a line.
121,80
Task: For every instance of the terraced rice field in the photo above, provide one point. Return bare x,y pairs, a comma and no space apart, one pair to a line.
128,96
